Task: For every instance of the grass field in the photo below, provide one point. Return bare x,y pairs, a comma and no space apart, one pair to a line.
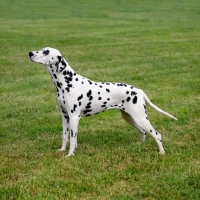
154,45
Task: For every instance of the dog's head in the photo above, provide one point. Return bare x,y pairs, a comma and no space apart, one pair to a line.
48,56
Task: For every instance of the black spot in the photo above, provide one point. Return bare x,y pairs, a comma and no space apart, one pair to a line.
144,107
58,84
100,86
128,99
133,93
63,111
103,106
69,85
67,118
70,73
118,84
98,92
108,99
72,134
59,58
67,79
90,82
80,97
79,103
147,118
135,100
82,82
122,101
55,76
105,102
76,79
150,130
90,98
107,83
99,98
127,92
89,93
46,52
86,111
64,72
75,106
88,105
107,90
156,133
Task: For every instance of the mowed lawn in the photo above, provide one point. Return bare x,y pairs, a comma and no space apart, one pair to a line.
153,45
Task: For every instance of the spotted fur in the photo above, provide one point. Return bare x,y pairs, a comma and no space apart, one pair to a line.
79,96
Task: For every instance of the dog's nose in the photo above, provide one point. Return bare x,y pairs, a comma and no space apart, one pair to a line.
31,54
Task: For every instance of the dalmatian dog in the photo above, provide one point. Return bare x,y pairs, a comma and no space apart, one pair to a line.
78,96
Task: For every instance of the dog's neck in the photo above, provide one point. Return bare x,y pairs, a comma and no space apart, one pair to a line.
58,68
62,74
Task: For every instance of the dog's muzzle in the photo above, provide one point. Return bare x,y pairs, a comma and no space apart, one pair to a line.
30,56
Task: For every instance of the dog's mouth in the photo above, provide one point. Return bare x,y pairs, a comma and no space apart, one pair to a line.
30,57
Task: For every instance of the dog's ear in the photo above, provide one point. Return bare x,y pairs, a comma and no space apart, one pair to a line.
59,58
61,64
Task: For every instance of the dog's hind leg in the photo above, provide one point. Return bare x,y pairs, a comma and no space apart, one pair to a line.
145,125
130,121
138,116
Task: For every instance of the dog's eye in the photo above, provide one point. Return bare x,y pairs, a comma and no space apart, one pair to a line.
46,52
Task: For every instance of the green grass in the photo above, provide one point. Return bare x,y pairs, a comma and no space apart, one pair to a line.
153,45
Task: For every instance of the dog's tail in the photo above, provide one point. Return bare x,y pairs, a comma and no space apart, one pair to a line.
156,108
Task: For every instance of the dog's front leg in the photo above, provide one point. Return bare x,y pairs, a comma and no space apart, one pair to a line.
65,124
74,121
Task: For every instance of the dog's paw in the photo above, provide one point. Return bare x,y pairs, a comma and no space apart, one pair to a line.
69,154
162,152
61,149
